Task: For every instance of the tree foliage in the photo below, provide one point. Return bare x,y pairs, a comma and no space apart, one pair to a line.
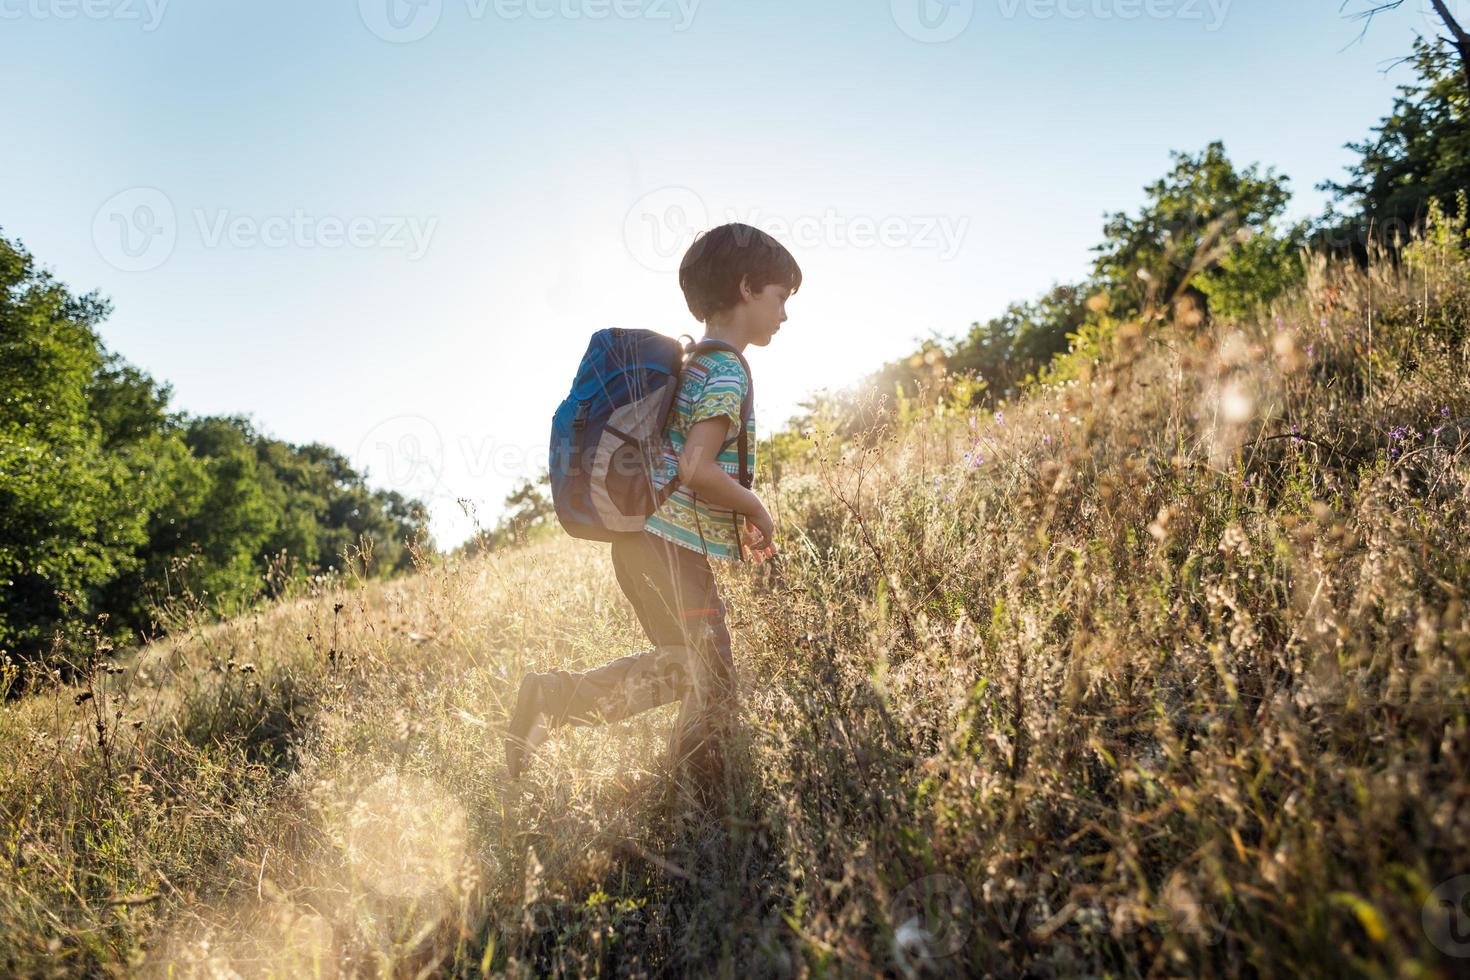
1194,217
1207,235
107,496
1418,153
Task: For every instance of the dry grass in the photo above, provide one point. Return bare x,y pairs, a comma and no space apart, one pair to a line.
1162,686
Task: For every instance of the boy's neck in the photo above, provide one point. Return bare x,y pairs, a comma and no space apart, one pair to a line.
728,332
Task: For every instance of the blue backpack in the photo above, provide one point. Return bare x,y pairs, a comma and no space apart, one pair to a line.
607,436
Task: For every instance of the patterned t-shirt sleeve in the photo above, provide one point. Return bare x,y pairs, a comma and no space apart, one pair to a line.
722,393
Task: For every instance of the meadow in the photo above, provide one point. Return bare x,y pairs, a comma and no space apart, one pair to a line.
1159,669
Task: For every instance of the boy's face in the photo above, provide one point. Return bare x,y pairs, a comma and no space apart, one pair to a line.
765,312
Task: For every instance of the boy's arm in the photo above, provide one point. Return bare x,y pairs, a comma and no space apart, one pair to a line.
699,472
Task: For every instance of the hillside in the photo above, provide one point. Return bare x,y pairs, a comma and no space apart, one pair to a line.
1160,671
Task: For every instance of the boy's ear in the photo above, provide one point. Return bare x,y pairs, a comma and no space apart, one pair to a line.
745,291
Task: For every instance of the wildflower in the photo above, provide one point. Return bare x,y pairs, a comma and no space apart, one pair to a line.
1444,412
1311,350
1295,438
1279,324
1046,439
1000,419
973,458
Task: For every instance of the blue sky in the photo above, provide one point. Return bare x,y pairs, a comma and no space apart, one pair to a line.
390,225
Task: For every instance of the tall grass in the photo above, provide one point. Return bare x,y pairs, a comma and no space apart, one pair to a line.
1163,671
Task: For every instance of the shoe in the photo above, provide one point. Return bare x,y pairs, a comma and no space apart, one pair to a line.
527,727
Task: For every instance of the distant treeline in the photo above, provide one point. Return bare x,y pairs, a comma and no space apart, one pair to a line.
109,501
1208,243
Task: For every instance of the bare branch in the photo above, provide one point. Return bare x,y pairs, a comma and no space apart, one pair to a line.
1366,16
1459,38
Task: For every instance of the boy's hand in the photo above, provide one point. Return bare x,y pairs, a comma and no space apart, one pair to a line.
756,538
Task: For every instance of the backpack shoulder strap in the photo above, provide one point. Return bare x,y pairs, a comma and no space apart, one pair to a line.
747,404
741,439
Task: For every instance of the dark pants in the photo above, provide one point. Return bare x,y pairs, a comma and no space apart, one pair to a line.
674,595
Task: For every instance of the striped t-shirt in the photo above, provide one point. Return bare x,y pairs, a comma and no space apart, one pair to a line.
714,384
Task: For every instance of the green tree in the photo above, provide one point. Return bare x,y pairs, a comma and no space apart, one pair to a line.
1193,218
67,519
1421,150
137,428
1005,350
233,519
107,497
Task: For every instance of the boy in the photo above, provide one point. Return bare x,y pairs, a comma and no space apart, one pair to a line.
736,280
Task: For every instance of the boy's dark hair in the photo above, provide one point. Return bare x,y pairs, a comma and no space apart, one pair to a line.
711,271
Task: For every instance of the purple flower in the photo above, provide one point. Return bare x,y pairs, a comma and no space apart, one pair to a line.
1311,350
1000,418
973,459
1444,412
1279,324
